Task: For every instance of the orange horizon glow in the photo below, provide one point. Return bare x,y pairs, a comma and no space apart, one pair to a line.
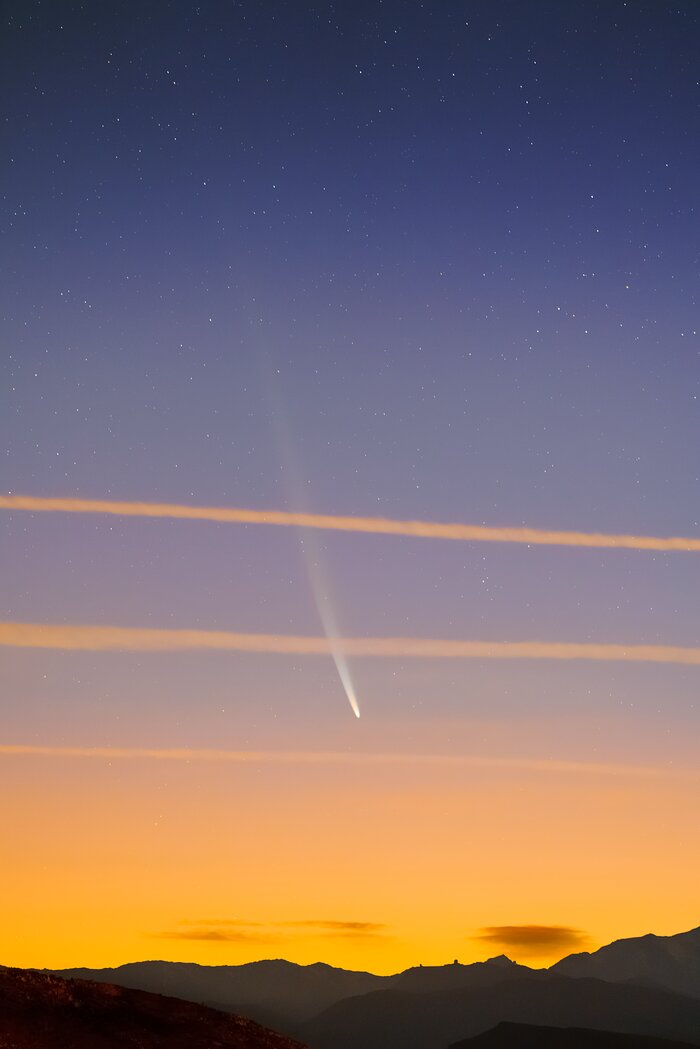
136,872
367,860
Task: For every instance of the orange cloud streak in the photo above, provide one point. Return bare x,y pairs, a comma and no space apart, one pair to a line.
267,757
374,525
76,637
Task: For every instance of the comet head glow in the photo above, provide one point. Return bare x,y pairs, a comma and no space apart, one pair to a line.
320,590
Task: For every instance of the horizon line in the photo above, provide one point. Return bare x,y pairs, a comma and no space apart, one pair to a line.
307,965
347,523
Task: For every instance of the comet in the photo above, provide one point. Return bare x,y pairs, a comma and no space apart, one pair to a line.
321,592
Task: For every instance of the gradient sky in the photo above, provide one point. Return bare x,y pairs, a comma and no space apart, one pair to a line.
432,261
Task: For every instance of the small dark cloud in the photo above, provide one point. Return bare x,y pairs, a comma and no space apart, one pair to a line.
534,939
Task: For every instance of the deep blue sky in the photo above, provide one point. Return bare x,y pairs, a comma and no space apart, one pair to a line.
460,233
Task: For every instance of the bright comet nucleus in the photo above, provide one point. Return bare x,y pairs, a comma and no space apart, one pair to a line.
320,590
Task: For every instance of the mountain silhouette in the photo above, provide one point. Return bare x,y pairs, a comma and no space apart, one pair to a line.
394,1019
41,1012
649,985
528,1036
443,977
667,961
274,992
283,995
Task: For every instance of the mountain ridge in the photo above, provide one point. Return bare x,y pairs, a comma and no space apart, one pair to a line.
322,1004
40,1011
394,1019
666,961
507,1035
670,961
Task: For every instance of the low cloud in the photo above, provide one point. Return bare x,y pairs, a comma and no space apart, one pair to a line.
344,757
534,939
237,923
238,930
215,935
340,928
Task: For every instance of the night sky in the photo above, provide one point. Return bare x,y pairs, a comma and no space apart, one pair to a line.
433,261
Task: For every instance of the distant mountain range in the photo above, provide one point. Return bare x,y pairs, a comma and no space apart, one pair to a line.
278,993
648,985
667,961
395,1019
527,1036
38,1011
42,1012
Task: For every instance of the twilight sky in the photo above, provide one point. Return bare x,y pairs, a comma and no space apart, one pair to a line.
411,260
